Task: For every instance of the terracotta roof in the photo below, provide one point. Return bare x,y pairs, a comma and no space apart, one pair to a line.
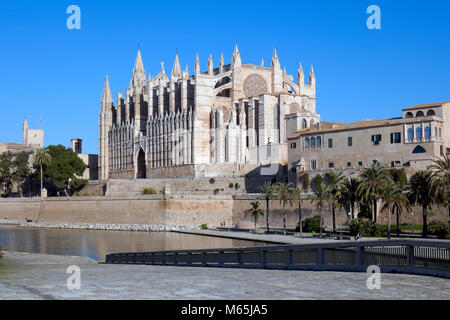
428,105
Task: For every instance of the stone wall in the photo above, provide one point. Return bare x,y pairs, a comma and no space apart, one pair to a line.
213,210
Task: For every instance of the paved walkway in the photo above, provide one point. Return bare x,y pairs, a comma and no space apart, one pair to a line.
37,276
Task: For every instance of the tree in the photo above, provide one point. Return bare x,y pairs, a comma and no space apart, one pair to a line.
255,211
370,187
421,191
41,158
349,193
391,193
64,170
5,172
285,193
299,194
21,170
334,181
320,197
268,191
400,178
441,176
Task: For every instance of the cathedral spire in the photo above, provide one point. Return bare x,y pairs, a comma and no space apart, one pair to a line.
106,97
197,65
176,70
221,63
186,70
275,61
162,68
236,59
210,65
262,63
312,78
139,77
300,76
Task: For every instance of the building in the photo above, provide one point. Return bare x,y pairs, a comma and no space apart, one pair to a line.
411,141
91,160
229,120
31,140
32,137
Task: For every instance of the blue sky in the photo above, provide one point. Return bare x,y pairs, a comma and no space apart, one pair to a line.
58,74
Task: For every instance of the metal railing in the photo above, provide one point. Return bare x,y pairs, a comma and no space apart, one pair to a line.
426,257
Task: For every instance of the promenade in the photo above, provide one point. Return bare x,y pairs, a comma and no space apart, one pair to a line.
38,276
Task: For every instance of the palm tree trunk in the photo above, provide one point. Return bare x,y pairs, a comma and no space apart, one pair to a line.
398,221
300,216
389,222
375,210
352,206
320,225
267,213
284,218
42,183
255,222
425,227
334,218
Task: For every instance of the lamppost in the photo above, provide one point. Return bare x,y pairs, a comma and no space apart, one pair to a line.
412,222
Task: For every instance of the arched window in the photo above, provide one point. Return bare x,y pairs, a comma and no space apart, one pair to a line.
419,114
431,113
409,115
311,123
427,133
307,142
304,124
313,142
419,134
410,134
319,141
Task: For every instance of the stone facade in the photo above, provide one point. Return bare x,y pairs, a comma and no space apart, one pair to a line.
183,125
32,137
91,160
410,142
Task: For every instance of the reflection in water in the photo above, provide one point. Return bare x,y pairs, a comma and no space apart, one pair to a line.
96,244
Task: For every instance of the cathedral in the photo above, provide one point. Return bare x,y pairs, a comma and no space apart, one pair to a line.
226,121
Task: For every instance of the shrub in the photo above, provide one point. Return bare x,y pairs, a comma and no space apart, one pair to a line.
216,191
439,229
381,230
147,191
204,226
310,224
236,186
306,182
365,227
212,180
231,185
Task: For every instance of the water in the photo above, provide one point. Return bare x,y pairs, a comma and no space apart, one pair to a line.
96,244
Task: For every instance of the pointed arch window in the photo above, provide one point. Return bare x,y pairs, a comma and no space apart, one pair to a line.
410,134
428,133
307,142
313,142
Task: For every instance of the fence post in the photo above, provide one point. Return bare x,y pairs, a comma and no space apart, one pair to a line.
189,258
320,257
239,257
175,256
288,257
410,255
220,258
360,252
164,259
204,259
262,257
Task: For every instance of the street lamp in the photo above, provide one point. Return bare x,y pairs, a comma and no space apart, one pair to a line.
412,222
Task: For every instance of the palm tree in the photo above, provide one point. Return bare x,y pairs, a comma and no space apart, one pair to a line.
441,175
255,210
334,182
299,194
267,189
421,191
41,157
320,197
401,180
349,193
392,194
285,193
370,187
